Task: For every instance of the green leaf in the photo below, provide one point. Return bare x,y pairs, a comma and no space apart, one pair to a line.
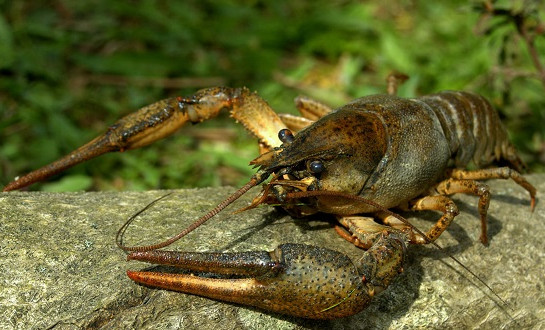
77,182
6,44
398,56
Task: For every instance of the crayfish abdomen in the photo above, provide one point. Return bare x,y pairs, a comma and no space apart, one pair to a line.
473,129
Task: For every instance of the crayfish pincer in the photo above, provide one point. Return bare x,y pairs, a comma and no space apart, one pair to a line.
355,163
300,280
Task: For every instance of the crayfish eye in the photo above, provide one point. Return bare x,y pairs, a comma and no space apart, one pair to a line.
285,135
316,166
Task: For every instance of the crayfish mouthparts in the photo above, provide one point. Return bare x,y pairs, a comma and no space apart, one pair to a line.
294,279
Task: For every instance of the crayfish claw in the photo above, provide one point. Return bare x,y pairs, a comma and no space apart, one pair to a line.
294,279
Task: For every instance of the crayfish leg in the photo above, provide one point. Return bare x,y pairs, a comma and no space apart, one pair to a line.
359,230
366,233
310,108
394,80
497,173
460,181
295,123
428,203
453,186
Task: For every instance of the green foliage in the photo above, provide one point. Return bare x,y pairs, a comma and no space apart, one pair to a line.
68,69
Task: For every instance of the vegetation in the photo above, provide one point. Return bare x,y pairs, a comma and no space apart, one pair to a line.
68,69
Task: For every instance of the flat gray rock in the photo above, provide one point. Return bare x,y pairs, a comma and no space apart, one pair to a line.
60,267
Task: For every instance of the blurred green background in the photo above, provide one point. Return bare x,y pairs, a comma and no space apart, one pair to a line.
69,69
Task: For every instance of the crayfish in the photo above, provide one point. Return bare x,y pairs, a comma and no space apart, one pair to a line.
355,162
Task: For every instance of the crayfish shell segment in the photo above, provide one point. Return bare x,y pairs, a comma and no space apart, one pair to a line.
347,144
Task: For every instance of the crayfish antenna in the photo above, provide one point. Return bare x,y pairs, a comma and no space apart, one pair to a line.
256,179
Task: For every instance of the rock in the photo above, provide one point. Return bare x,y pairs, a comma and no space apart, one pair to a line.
61,267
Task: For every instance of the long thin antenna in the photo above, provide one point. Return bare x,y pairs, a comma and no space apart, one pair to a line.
119,237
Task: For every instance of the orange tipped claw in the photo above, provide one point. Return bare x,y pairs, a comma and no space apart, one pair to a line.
132,131
95,148
163,118
299,280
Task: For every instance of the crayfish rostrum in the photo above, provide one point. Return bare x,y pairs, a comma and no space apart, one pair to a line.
354,162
